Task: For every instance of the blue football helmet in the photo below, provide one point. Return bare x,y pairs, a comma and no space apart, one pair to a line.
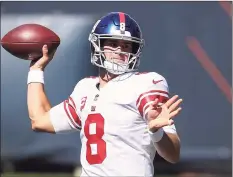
118,26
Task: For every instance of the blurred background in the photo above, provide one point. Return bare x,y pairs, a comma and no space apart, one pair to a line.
189,43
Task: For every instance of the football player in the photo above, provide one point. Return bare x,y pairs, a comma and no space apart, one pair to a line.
124,117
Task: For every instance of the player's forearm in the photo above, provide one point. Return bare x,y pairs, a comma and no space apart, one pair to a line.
38,103
169,147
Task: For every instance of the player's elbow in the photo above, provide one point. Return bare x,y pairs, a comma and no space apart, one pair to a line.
35,125
42,124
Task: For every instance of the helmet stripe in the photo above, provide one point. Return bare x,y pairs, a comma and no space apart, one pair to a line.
122,17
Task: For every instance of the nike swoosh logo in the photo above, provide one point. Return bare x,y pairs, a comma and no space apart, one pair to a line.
156,82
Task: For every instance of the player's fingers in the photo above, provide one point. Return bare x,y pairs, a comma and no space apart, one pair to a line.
45,51
155,103
174,113
175,105
156,100
171,101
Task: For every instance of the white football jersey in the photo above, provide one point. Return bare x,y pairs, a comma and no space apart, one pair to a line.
112,123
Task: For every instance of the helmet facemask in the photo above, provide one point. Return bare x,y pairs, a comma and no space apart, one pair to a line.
98,54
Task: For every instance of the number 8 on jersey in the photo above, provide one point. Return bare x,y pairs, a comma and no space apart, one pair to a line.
94,139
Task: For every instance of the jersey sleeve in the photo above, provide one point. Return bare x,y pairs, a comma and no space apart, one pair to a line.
65,117
154,86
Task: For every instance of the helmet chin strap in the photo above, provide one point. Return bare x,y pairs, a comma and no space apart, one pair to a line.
115,68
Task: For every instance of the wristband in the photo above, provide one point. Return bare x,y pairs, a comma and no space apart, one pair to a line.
156,136
35,76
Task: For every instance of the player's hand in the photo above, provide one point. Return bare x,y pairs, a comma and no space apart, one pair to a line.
159,117
42,62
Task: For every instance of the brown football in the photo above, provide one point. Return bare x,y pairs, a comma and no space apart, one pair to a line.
26,41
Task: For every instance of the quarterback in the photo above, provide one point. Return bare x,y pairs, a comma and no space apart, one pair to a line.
124,117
